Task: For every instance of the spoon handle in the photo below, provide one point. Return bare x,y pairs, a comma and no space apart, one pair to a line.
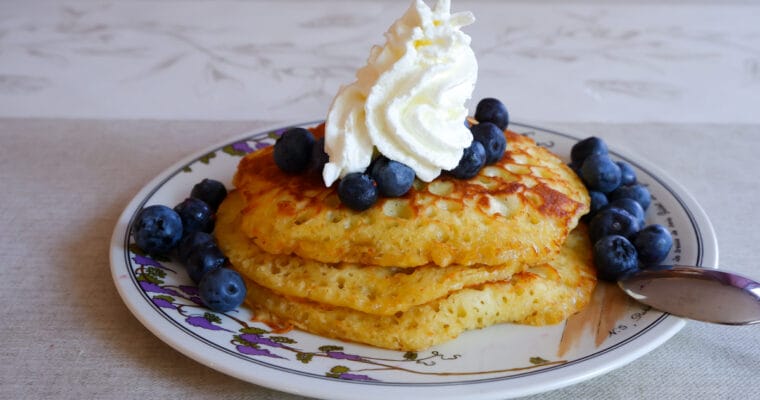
702,294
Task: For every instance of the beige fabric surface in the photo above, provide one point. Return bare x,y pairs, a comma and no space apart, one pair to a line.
66,334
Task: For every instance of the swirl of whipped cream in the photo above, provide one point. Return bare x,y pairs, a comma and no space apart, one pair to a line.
408,101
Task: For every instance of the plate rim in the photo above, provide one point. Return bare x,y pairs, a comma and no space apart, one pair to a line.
187,344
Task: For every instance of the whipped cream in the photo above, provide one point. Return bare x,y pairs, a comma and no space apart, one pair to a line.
408,102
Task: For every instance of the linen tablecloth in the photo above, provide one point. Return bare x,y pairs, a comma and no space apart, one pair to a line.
67,334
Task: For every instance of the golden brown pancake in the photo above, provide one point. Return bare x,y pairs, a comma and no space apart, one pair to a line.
414,271
370,289
517,211
541,295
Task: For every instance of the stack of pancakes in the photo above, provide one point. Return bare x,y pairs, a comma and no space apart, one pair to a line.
413,271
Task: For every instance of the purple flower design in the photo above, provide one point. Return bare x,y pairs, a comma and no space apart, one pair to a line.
153,288
143,260
250,338
252,351
242,147
356,377
203,322
191,290
339,355
261,145
163,303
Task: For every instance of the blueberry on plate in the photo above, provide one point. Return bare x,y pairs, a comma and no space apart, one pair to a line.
492,138
196,216
357,191
473,159
393,178
653,243
493,111
585,148
600,173
632,207
192,242
614,257
203,260
318,157
598,202
612,221
292,150
575,167
222,290
211,191
157,229
636,192
627,174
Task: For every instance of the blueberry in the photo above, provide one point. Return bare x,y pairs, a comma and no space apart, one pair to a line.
210,191
627,174
202,260
318,157
636,191
653,244
493,111
191,242
222,290
157,229
600,173
292,150
576,168
492,138
196,216
473,159
632,207
598,202
587,147
612,221
393,178
357,191
614,257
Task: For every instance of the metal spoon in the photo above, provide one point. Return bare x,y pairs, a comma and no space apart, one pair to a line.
702,294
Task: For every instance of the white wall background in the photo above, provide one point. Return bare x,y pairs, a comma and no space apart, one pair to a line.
600,61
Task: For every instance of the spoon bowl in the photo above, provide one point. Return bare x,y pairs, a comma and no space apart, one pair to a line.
702,294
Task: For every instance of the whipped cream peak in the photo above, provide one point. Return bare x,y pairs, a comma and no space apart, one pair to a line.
408,102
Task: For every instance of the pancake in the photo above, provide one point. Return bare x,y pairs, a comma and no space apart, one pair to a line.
370,289
541,295
517,211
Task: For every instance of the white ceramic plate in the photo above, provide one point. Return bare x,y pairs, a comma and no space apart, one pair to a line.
498,362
